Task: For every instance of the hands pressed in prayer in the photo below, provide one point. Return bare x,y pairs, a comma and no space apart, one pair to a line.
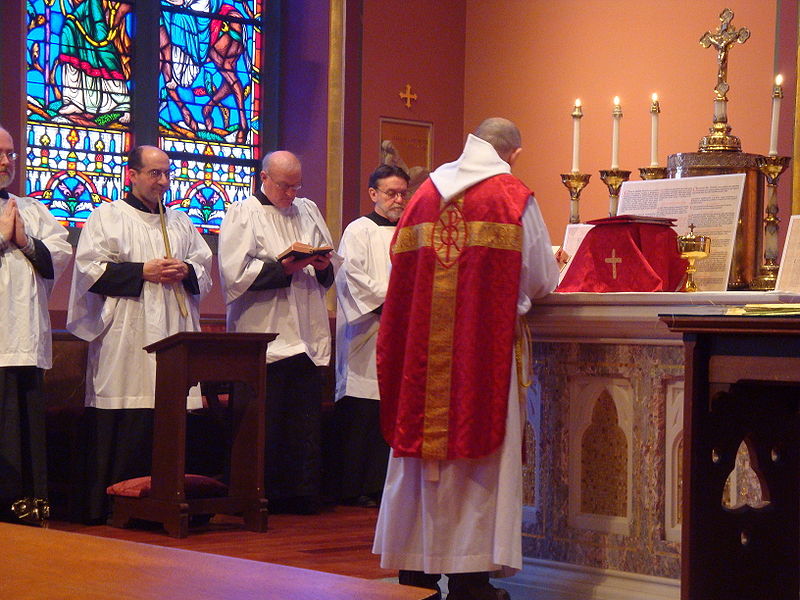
165,270
12,227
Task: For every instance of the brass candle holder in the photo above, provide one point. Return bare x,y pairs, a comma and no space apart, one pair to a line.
575,182
614,178
692,247
772,167
653,172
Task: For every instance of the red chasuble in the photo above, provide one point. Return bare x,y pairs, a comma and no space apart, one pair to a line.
447,326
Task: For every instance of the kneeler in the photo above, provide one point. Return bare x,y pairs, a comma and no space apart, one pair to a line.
172,496
626,254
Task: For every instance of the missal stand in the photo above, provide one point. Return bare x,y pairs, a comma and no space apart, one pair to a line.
742,385
182,360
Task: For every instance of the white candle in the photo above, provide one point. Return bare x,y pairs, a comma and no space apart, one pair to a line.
777,94
616,115
577,113
654,110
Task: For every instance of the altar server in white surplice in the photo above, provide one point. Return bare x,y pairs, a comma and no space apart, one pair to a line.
124,297
286,297
33,253
360,290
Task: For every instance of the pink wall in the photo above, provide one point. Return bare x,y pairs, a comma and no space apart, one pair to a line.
421,43
528,61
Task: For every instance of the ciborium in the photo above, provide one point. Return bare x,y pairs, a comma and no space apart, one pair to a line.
614,178
692,247
772,167
575,182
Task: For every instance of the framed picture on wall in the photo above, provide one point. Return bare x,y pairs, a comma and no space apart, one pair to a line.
409,145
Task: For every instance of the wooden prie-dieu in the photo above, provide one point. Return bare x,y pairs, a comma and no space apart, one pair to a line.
183,360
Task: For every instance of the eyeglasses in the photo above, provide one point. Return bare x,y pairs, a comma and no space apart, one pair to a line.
392,194
157,173
285,187
12,156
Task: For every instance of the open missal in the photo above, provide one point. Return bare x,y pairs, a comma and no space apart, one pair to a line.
299,250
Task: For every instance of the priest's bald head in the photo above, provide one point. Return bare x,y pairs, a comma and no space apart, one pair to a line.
504,137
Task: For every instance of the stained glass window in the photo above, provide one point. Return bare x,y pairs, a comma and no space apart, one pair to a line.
209,112
82,73
79,74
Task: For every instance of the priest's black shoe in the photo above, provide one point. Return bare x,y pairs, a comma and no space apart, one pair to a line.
473,586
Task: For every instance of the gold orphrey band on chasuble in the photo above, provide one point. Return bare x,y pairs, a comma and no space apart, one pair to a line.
448,237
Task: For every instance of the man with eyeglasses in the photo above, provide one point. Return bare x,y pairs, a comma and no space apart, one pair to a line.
33,253
361,284
470,253
127,293
287,297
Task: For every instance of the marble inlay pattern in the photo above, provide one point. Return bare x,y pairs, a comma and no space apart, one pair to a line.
604,462
647,369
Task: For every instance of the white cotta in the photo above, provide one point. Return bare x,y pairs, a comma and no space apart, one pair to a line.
25,338
120,374
361,285
252,234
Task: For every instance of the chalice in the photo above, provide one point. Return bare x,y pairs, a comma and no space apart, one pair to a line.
692,247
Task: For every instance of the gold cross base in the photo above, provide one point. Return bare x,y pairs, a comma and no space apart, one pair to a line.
720,140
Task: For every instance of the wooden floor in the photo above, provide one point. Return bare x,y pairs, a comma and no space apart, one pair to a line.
339,540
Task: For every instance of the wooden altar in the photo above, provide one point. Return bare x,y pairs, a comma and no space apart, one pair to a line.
602,473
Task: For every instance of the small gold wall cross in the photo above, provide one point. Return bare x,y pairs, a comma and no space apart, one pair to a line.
407,96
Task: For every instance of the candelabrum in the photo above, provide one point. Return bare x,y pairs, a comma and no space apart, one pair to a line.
653,172
614,178
575,182
772,167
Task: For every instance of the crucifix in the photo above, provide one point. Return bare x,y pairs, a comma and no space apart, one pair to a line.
613,260
407,96
722,40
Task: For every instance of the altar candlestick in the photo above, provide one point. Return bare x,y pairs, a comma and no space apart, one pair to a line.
577,113
777,94
616,115
654,110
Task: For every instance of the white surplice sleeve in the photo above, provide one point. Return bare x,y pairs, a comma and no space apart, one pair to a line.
240,257
88,314
361,283
539,274
40,224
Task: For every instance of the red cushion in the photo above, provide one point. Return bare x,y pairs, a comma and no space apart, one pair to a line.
196,486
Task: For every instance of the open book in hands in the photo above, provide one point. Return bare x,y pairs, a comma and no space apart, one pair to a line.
299,250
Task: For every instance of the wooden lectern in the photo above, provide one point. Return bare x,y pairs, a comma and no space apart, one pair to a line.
183,360
742,385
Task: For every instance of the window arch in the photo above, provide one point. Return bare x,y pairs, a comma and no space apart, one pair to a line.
190,81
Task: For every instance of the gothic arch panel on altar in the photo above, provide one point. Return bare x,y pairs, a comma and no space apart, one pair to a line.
600,454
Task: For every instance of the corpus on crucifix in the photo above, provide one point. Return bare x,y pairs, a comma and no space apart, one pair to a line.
722,40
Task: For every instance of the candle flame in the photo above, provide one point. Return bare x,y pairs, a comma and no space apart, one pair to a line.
778,79
654,97
616,100
577,102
